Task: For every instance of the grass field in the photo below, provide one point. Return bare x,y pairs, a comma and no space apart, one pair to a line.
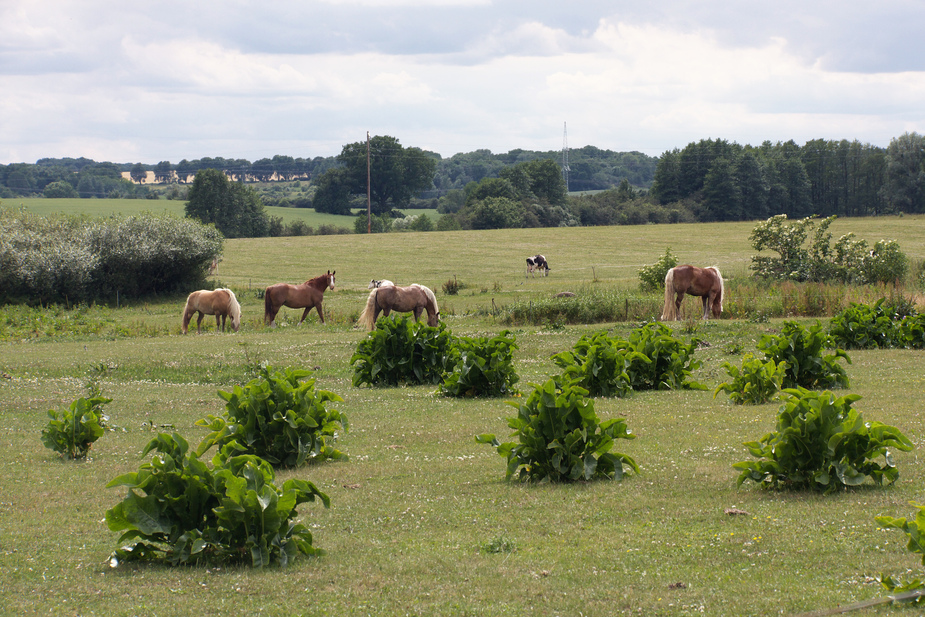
128,207
419,505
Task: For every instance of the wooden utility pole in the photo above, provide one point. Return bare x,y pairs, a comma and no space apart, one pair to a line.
369,216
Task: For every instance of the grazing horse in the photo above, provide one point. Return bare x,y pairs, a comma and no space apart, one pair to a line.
374,284
412,299
308,295
537,262
221,303
704,282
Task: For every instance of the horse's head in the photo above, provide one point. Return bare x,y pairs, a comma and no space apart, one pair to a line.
433,319
330,276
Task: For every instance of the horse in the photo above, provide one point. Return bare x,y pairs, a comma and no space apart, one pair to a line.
412,299
704,282
308,295
537,262
221,303
374,284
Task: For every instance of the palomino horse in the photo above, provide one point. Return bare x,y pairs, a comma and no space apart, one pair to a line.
412,299
221,303
704,282
308,295
374,284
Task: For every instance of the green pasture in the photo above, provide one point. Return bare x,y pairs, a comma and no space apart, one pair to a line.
422,521
128,207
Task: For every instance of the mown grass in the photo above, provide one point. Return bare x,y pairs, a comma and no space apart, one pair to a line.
129,207
418,501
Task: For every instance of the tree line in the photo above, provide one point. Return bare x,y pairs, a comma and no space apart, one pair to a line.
724,181
591,169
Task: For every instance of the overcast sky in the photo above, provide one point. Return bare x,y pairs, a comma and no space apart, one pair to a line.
167,80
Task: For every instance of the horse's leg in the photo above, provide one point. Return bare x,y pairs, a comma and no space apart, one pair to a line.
417,312
217,317
677,304
706,305
304,315
320,312
199,322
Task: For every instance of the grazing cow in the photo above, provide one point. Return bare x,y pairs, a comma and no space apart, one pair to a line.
537,262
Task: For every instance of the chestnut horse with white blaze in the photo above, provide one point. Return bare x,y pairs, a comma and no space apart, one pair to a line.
704,282
308,295
221,302
412,299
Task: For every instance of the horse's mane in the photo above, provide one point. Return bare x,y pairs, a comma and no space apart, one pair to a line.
430,295
234,307
319,282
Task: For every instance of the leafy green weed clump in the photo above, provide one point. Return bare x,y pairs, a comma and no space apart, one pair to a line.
821,442
561,439
915,531
484,367
71,432
401,350
652,359
757,382
803,351
862,326
180,511
278,417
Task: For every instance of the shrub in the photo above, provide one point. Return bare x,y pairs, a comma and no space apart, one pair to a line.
660,361
757,382
849,260
862,326
597,363
75,259
561,439
822,443
802,350
71,432
912,331
279,417
484,367
652,359
180,511
915,531
401,350
652,277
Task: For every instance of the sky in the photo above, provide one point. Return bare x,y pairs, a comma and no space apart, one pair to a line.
169,80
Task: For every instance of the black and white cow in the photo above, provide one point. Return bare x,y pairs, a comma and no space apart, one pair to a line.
537,262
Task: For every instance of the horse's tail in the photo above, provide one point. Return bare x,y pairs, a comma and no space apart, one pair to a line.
719,297
670,310
367,317
234,308
187,313
267,305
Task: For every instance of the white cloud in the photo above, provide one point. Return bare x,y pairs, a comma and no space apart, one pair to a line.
163,83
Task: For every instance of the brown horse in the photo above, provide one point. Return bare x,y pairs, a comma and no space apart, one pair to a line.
412,299
222,303
704,282
308,295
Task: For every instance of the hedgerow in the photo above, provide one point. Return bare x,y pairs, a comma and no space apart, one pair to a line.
78,259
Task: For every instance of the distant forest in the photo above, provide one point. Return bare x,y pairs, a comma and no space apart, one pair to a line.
708,180
591,169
